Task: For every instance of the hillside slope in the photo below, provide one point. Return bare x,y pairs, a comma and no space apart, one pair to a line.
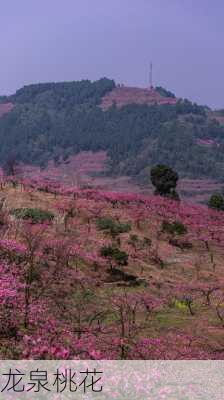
5,108
89,274
53,121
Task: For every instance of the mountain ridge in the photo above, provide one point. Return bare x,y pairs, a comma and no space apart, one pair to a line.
53,121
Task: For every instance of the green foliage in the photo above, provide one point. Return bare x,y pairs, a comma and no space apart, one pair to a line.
163,92
174,228
56,120
112,227
36,215
147,242
165,180
138,243
133,238
180,305
62,94
111,252
216,201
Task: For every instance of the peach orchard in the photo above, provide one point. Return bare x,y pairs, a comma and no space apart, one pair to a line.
87,274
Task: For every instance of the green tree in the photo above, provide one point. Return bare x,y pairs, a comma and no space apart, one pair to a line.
114,253
112,227
165,180
216,201
174,228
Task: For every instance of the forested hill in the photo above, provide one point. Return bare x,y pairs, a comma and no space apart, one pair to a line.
53,120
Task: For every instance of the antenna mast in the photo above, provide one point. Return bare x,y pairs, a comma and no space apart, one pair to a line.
151,86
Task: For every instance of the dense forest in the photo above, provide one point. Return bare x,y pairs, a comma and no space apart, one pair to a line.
55,120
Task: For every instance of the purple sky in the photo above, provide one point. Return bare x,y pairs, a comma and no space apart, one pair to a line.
57,40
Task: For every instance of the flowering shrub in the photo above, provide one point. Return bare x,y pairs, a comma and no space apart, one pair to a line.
59,299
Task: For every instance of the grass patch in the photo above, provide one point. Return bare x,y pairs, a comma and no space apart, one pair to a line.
168,319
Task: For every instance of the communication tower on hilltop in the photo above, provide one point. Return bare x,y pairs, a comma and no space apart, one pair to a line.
150,77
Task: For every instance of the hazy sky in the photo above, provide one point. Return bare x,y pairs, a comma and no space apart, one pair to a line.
58,40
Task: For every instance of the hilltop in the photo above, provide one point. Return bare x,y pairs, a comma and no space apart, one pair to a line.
136,128
123,95
93,274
